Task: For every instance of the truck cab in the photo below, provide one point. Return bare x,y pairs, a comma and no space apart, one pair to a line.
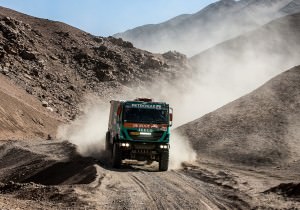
139,130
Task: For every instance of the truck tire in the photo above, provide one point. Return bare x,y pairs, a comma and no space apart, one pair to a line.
116,156
164,161
107,142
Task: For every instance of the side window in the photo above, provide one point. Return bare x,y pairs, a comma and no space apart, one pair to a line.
111,115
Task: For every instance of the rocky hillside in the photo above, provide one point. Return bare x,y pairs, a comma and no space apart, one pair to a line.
218,22
58,64
261,128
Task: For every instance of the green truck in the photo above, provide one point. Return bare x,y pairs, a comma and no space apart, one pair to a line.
139,130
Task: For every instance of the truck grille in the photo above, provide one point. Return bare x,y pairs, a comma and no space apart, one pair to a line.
156,135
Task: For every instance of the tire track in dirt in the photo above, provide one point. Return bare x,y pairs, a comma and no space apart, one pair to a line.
198,193
170,192
130,189
216,189
201,190
145,190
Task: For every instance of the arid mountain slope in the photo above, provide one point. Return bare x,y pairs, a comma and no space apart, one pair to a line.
59,64
277,38
242,64
261,128
218,22
22,116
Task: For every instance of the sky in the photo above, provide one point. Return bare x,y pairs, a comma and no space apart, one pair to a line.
106,17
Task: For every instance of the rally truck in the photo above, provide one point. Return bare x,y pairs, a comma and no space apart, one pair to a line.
139,130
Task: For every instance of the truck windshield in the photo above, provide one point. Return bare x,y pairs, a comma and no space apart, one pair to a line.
137,115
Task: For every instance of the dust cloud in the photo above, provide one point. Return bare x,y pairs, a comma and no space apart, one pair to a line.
180,151
88,130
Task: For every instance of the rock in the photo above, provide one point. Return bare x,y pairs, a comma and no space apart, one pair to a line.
98,39
27,76
72,87
53,57
152,62
120,42
49,137
43,86
29,90
7,18
45,104
49,109
27,55
101,48
5,70
174,55
49,77
34,72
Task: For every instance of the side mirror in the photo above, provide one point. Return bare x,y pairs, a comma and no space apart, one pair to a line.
171,117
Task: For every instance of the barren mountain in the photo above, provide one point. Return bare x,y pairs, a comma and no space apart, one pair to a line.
59,64
218,22
236,67
259,129
277,39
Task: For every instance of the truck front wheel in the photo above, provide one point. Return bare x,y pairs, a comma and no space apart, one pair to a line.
116,156
164,161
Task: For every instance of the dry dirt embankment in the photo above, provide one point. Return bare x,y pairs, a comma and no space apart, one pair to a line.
42,175
22,116
259,129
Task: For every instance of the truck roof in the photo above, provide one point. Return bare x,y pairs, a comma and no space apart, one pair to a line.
138,101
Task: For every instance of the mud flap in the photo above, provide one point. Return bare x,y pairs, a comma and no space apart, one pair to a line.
164,161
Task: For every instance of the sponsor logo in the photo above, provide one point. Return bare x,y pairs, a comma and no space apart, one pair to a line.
146,106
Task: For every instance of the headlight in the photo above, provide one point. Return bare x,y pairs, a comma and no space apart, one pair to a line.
145,134
163,146
125,144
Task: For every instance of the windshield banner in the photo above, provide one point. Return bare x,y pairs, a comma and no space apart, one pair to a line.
142,125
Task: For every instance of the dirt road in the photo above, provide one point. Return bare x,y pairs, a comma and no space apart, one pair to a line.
51,175
139,189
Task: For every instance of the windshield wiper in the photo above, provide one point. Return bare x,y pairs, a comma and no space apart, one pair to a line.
161,122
